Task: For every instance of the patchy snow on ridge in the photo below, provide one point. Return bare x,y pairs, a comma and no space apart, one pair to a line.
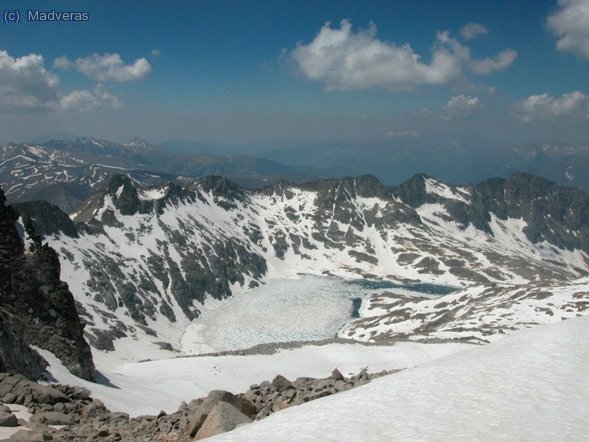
152,194
477,314
147,275
532,386
438,188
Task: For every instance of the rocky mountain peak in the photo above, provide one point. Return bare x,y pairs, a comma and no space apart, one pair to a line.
220,186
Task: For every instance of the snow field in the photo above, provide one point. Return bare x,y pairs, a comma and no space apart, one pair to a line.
148,387
531,386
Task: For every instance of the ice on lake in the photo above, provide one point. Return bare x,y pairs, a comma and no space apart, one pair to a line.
307,308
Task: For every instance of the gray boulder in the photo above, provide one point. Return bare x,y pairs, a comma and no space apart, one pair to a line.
222,418
214,397
281,383
8,419
34,436
52,418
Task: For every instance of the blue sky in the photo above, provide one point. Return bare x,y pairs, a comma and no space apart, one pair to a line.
273,74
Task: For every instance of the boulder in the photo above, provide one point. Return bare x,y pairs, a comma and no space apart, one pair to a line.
336,375
34,436
18,389
52,418
214,397
222,418
281,383
8,420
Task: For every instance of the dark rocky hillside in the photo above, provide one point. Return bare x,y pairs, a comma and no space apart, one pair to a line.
36,307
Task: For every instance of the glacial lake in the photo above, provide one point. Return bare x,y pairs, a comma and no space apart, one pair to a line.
306,308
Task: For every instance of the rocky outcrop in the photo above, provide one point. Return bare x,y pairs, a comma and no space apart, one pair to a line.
47,219
558,215
16,355
36,308
84,418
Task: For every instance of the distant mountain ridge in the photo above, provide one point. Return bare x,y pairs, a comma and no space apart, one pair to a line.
395,161
66,172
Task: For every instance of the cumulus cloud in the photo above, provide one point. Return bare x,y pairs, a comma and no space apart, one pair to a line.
485,66
462,106
106,67
347,60
89,100
570,23
546,107
500,62
472,30
25,86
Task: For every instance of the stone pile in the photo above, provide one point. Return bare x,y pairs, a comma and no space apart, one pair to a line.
66,413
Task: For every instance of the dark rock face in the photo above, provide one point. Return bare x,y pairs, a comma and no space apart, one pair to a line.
15,354
35,306
47,219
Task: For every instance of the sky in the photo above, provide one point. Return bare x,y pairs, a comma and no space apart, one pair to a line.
260,74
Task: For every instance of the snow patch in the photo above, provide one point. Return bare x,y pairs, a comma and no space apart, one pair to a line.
152,194
437,188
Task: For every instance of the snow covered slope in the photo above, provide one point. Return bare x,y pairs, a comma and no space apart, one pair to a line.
477,314
147,258
150,386
532,386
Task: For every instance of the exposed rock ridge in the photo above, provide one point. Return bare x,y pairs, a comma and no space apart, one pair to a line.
37,308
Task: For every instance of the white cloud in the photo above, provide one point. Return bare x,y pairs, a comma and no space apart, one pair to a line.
25,86
546,107
499,62
156,52
462,106
472,30
345,60
88,100
403,134
106,67
570,23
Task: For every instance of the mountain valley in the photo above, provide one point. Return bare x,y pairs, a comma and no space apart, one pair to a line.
208,277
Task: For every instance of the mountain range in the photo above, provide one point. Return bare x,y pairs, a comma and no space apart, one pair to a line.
67,172
395,161
142,260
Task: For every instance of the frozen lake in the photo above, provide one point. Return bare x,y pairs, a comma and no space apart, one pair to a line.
307,308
